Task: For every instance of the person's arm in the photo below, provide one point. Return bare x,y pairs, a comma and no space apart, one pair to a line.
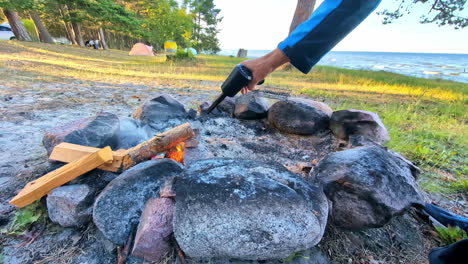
263,66
311,40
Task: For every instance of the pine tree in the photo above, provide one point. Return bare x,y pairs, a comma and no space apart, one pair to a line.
205,20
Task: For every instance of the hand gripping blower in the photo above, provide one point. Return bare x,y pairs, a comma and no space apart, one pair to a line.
237,79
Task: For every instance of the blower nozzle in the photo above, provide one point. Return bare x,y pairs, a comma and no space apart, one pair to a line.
239,77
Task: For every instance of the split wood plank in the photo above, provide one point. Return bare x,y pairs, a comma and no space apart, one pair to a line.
124,159
68,152
38,188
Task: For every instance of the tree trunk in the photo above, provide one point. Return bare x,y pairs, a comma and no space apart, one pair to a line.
303,11
44,35
71,33
68,27
103,39
16,26
77,30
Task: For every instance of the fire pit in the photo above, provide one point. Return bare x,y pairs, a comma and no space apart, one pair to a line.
257,188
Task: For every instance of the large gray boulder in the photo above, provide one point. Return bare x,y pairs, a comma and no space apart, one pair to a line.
367,186
251,106
359,127
118,207
71,205
161,108
98,131
243,209
300,116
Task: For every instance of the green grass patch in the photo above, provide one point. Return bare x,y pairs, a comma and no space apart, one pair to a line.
24,218
451,234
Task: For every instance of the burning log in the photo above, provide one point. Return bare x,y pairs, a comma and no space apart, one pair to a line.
159,143
124,159
176,153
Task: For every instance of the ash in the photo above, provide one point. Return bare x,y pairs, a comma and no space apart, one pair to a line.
255,140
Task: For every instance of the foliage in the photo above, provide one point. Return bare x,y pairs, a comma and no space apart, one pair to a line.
182,54
205,22
153,22
164,20
24,218
110,15
294,256
17,5
461,185
440,12
451,234
30,28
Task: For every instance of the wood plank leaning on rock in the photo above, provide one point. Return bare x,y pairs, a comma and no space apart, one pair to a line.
36,189
82,159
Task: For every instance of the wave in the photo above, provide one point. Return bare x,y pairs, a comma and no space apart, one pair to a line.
431,72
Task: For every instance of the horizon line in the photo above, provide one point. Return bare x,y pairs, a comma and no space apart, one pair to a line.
454,53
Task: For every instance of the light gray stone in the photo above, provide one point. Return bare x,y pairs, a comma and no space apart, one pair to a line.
243,209
251,106
98,131
300,116
226,107
367,186
118,207
70,205
199,152
161,108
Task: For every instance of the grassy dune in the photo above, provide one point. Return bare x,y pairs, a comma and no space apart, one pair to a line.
426,119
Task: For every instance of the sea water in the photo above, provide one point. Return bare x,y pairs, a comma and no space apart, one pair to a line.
426,65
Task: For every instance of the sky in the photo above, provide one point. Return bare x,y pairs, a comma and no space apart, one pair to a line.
262,24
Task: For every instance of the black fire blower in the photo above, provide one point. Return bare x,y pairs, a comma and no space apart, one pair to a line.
237,79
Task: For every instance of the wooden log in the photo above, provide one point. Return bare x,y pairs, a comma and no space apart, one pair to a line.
124,159
67,152
159,143
38,188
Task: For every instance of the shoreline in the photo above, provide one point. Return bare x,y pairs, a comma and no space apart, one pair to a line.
447,66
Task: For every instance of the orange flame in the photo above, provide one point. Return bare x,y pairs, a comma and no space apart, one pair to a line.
176,153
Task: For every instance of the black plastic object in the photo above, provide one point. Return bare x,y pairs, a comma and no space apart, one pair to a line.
239,77
456,253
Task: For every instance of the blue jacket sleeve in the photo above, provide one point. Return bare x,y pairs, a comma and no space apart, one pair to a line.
327,26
